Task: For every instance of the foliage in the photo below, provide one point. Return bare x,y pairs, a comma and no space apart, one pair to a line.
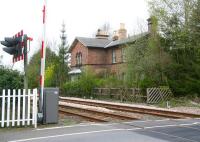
146,61
63,59
184,101
56,67
10,79
49,74
83,86
111,82
179,27
135,54
34,69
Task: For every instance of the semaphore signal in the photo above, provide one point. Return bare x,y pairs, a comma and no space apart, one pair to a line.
17,46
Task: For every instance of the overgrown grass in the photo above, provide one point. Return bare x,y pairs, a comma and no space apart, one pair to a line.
180,102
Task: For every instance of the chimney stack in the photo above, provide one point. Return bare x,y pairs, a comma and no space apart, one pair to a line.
122,32
150,23
115,36
102,34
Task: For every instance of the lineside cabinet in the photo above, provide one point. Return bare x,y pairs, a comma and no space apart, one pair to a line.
51,98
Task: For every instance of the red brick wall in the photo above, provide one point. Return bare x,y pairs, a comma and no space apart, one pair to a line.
98,69
115,68
99,60
117,53
96,56
79,48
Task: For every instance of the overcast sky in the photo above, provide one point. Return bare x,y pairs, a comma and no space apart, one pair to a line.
82,18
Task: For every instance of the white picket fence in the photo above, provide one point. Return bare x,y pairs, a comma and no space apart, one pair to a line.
18,108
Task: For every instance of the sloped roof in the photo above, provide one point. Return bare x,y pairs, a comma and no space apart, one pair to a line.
93,42
126,40
105,43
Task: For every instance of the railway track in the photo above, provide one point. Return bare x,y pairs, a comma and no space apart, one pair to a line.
93,114
132,109
86,116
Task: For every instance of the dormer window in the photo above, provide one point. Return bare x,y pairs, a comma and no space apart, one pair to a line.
79,59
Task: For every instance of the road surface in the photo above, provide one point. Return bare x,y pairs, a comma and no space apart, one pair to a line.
185,130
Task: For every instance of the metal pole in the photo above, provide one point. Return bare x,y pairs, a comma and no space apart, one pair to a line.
25,64
43,56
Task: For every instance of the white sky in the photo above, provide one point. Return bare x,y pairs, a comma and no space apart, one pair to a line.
82,18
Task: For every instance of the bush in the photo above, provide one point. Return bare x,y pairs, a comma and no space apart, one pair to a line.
82,87
146,83
111,81
184,79
10,79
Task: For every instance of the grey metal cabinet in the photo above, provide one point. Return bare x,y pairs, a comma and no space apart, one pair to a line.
50,105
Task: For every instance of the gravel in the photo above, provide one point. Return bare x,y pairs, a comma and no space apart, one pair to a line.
86,107
194,110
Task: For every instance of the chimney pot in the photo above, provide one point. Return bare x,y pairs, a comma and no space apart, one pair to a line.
115,36
102,34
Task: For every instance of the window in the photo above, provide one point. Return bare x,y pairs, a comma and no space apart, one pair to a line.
78,59
113,56
123,54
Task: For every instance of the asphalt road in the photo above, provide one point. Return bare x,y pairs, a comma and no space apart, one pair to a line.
187,130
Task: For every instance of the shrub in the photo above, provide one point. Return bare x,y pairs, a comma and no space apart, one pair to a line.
10,79
84,86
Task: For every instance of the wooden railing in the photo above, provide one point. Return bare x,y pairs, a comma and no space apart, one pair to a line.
153,95
124,94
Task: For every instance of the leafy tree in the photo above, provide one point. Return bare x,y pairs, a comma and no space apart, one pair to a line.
146,60
135,62
50,76
195,30
56,67
34,68
178,26
10,79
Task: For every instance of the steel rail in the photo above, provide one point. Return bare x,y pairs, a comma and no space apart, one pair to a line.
82,115
102,113
133,109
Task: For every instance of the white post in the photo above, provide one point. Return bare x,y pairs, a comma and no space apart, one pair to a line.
13,111
23,107
147,95
3,109
33,108
18,107
28,117
35,96
8,108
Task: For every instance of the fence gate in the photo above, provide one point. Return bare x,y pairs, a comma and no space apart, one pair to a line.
155,95
18,108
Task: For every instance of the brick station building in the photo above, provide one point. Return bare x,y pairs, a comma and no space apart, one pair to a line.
101,54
